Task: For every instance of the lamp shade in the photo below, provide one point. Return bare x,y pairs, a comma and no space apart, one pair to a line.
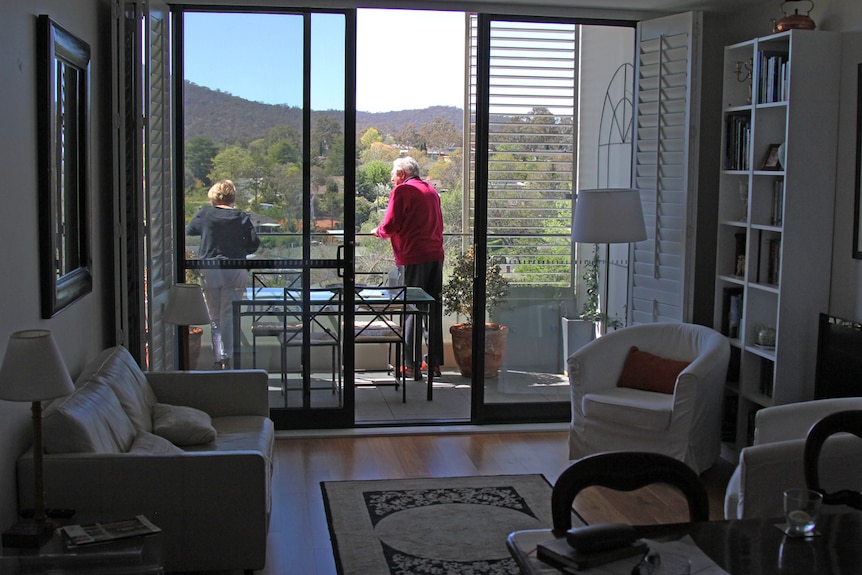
608,216
186,305
33,369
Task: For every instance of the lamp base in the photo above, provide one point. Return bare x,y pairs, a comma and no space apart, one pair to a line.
32,534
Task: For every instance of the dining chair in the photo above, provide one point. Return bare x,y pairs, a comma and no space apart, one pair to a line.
849,421
625,471
381,320
268,317
324,327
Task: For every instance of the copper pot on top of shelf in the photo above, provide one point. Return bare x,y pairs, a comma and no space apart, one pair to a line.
796,21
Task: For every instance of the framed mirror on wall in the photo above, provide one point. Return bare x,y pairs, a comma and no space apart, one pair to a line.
857,213
63,94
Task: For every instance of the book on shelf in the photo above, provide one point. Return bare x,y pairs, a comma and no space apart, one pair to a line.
563,556
738,138
767,372
778,203
774,263
91,533
772,75
731,312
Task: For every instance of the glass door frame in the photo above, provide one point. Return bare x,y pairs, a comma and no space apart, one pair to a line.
501,412
306,416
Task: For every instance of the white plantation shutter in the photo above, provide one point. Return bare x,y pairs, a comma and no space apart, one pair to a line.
665,167
158,193
144,259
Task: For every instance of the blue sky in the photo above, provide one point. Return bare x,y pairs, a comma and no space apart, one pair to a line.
405,59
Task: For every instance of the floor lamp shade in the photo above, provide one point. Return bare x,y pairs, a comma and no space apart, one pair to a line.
608,216
186,306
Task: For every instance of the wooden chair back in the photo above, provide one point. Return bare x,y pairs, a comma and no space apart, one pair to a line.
625,471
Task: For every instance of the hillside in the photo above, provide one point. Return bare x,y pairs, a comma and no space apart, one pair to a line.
227,119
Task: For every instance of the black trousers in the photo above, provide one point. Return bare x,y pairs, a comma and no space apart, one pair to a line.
429,277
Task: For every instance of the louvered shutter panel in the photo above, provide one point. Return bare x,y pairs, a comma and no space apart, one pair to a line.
158,193
665,167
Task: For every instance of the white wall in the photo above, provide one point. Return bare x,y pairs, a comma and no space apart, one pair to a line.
80,330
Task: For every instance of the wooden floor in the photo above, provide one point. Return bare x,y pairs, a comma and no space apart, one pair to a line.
299,537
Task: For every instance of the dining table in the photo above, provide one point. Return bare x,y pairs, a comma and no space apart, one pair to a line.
738,547
371,302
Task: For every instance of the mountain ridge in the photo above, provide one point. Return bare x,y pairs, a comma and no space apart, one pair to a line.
229,119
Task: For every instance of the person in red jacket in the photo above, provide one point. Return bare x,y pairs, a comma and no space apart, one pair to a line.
414,225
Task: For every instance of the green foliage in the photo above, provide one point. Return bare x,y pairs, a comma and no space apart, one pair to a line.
199,154
369,175
458,291
592,310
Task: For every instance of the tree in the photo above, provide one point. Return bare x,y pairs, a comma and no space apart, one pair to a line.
324,134
335,158
440,134
378,151
199,156
369,175
371,136
232,163
408,135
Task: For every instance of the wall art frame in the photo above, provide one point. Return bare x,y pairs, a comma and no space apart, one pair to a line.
857,212
63,99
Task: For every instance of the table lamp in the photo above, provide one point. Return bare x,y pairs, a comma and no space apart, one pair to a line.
185,307
608,216
33,370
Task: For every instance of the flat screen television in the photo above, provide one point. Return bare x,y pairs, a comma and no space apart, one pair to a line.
839,358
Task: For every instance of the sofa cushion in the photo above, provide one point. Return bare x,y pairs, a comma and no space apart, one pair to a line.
649,372
183,425
90,420
116,367
151,444
631,407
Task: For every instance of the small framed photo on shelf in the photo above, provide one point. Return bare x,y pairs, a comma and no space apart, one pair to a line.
771,160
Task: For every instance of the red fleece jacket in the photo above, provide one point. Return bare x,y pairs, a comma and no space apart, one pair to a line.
414,223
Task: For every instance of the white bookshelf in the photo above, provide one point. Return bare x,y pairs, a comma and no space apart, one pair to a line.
784,229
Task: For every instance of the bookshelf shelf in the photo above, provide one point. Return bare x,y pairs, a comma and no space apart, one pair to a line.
775,218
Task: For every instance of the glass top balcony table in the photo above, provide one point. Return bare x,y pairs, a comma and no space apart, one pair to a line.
395,300
739,547
132,556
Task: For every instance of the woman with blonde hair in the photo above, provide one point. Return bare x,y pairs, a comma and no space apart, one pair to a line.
226,234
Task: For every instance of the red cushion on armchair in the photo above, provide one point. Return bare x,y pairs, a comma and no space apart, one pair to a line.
649,372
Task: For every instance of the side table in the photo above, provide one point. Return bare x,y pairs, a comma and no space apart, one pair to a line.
132,556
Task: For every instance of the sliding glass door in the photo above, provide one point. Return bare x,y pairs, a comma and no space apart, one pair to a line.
552,108
268,104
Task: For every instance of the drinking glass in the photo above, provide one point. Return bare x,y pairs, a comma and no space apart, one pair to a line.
801,510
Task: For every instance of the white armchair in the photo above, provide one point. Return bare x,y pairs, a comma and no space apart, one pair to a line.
685,425
775,461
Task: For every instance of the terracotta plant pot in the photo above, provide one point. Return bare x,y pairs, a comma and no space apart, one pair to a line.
495,345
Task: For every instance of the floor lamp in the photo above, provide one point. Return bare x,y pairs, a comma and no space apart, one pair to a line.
185,307
608,216
33,370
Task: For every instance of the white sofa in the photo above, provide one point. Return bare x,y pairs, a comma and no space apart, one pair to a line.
775,461
685,424
105,458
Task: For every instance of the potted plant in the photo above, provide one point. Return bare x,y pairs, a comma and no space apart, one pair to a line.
457,298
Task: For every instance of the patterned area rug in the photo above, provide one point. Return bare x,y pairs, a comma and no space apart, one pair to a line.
447,525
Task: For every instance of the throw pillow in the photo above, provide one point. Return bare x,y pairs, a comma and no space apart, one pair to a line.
649,372
182,425
150,444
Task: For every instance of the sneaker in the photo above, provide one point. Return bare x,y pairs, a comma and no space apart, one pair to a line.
407,371
437,372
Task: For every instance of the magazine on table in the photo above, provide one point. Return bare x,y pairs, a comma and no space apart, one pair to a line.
79,535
